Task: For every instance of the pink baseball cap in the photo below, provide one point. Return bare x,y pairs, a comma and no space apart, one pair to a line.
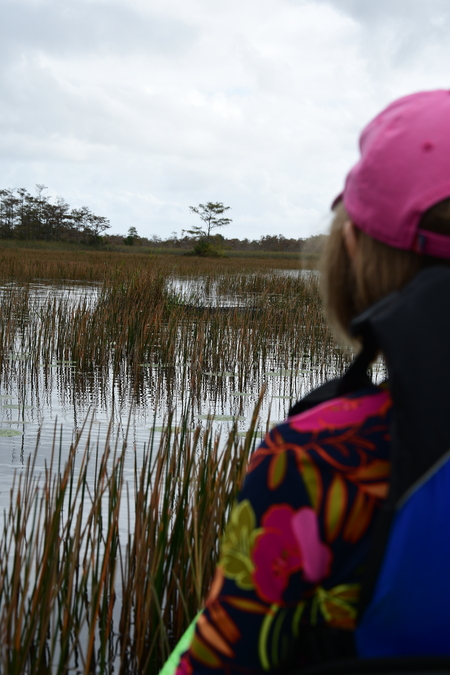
404,170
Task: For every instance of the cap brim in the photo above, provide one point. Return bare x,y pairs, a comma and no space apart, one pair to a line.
336,201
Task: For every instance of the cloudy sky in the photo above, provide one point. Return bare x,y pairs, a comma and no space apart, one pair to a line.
140,108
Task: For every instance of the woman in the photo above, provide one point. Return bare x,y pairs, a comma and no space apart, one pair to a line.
351,491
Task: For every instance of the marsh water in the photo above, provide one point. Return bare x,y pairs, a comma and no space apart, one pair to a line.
48,404
87,366
47,400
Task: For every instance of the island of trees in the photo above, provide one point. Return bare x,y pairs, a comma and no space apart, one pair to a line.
27,216
24,216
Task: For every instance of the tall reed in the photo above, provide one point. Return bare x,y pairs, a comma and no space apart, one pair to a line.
26,265
137,324
81,584
97,575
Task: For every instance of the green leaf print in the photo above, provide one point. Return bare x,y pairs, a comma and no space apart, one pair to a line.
237,544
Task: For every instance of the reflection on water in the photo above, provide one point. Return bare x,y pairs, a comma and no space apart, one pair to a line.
226,292
52,400
174,356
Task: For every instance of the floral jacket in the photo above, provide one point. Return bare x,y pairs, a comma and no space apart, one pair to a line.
295,547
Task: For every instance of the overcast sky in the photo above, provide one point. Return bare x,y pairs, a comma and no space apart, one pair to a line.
140,108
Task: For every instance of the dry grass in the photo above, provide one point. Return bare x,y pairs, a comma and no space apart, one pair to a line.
26,265
137,323
74,594
73,589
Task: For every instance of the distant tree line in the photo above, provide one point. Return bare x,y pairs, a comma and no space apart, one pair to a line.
276,242
27,216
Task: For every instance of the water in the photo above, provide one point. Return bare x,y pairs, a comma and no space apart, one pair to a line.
54,400
47,405
207,292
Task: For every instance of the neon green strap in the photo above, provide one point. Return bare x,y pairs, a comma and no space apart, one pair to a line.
170,666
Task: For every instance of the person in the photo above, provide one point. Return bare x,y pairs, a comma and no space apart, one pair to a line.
337,545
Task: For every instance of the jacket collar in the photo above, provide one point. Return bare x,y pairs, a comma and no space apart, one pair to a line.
411,328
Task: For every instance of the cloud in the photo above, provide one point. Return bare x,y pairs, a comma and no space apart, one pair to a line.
140,108
91,28
413,12
398,31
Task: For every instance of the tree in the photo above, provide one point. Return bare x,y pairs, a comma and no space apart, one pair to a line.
88,225
24,216
211,214
132,237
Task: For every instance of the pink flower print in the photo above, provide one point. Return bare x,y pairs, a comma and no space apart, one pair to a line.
289,542
184,666
316,555
341,412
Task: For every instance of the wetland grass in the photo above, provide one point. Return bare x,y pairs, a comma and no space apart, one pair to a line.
136,322
30,264
75,595
78,588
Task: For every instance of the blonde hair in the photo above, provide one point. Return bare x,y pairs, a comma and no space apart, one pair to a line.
350,287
